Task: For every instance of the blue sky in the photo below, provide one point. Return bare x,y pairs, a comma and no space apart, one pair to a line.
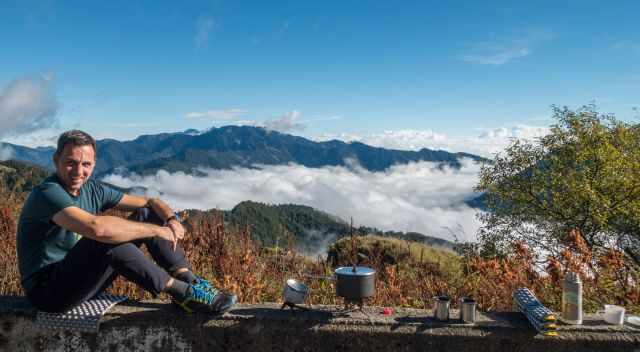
321,68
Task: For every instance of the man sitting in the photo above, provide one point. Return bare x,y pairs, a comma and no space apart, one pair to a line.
67,254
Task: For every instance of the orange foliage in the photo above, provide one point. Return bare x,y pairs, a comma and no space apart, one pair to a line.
606,278
231,260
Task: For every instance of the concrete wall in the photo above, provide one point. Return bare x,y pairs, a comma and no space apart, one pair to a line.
158,326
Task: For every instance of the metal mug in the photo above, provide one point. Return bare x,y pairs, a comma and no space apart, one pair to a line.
294,292
441,308
468,310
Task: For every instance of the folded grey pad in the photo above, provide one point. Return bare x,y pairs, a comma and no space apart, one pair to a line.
85,317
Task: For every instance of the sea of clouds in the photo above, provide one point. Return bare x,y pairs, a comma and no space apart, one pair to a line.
420,197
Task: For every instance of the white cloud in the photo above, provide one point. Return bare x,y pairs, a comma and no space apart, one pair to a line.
48,137
204,26
487,144
40,138
27,105
248,123
500,52
289,122
496,53
412,197
6,152
217,115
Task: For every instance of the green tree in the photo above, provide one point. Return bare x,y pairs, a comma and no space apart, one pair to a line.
584,175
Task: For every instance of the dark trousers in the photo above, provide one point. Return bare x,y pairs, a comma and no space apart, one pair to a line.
91,266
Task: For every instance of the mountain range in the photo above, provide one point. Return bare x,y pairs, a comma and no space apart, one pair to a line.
239,146
235,146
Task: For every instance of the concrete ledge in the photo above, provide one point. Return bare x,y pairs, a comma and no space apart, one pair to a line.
158,326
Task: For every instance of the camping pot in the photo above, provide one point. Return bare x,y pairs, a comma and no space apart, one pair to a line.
294,292
441,308
467,310
355,283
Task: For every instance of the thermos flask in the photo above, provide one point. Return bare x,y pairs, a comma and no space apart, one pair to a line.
572,299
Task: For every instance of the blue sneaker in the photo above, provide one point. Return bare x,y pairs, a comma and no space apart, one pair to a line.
222,302
205,285
196,299
206,299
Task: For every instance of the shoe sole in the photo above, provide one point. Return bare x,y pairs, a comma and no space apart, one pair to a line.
205,309
227,308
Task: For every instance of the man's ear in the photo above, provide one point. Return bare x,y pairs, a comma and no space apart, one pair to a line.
55,158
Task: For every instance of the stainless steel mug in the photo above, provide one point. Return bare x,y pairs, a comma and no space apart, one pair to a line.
468,310
441,308
294,292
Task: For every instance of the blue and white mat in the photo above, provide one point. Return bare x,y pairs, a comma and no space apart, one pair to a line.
85,317
541,317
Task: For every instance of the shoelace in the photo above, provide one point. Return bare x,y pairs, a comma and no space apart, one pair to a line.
201,295
204,284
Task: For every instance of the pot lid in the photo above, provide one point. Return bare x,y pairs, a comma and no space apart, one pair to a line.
360,271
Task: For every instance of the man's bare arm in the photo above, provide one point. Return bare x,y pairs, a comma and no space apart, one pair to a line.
129,202
109,229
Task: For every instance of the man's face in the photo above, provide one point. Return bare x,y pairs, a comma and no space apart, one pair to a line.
74,166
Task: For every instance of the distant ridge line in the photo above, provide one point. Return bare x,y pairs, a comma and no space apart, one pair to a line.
236,146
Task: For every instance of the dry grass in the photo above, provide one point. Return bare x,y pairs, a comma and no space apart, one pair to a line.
10,278
231,260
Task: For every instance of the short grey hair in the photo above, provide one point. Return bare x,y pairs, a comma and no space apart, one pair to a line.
77,138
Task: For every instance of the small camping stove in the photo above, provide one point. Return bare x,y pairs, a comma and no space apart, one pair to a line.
352,305
354,283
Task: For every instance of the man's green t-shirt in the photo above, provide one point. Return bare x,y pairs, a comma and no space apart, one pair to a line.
40,241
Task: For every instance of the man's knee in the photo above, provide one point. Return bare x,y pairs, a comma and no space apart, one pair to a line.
124,251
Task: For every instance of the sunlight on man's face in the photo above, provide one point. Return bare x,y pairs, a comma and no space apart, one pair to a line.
74,166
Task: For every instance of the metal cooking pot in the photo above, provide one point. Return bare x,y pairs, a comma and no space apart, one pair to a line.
294,292
355,283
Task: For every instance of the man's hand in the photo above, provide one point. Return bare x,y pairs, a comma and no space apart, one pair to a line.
177,228
167,233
